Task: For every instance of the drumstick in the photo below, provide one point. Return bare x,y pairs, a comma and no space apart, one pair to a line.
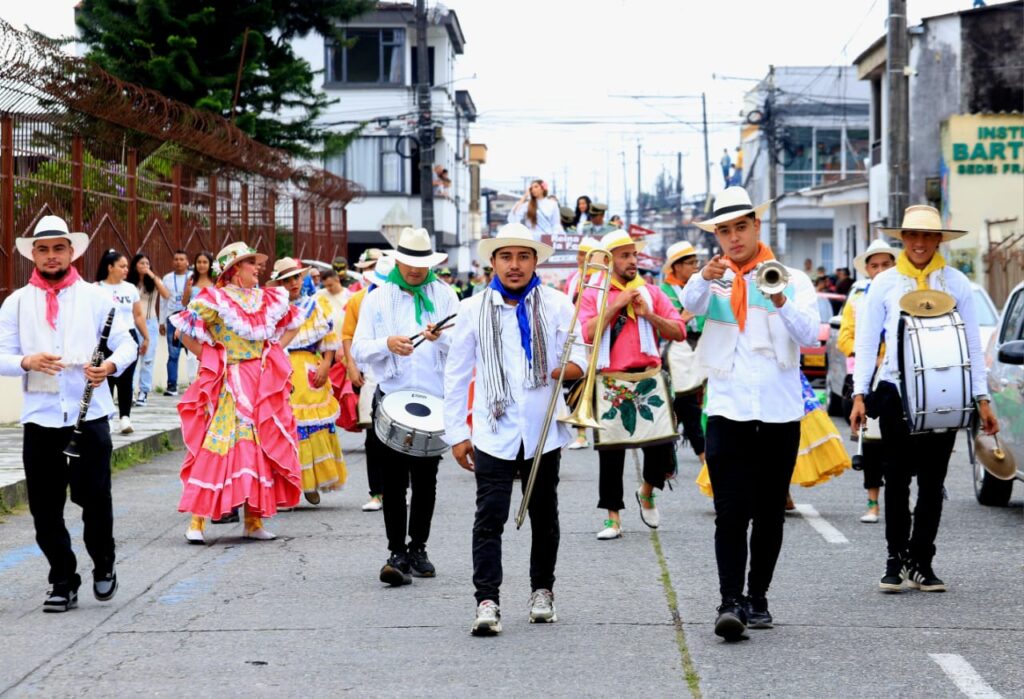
436,325
423,339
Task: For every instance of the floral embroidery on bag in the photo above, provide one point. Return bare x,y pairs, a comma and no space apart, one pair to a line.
628,404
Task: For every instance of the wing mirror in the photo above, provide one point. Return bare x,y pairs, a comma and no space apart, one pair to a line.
1012,353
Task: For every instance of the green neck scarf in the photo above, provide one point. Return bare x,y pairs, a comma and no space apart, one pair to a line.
419,296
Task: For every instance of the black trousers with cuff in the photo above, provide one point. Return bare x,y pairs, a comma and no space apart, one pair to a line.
49,474
659,461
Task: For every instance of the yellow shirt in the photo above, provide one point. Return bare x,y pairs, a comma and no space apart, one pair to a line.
348,328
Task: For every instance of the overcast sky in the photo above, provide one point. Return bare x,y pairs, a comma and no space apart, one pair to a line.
539,62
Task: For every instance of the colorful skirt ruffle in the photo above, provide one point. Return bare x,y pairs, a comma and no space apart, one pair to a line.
239,431
316,411
821,455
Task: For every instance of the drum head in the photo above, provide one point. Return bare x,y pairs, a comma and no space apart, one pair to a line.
416,410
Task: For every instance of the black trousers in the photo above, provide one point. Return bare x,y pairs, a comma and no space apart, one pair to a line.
688,408
375,454
750,464
923,455
494,478
659,460
874,464
49,473
123,384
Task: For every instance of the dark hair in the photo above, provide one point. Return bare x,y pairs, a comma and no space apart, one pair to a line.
577,215
326,274
133,273
109,257
195,272
179,251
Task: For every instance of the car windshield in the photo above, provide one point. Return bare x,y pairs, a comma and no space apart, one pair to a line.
825,309
983,309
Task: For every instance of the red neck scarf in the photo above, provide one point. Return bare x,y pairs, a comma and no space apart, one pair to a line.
51,288
739,286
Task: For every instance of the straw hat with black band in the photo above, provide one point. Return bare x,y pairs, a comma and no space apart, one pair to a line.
415,249
286,267
731,204
513,235
48,228
877,247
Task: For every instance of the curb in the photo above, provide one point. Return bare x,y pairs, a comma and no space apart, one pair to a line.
123,457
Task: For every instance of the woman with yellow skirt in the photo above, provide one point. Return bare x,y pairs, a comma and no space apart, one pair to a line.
821,455
316,410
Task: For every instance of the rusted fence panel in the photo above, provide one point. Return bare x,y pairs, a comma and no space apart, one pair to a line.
1004,267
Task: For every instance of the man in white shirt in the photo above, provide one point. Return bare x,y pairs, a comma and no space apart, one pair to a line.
179,283
926,454
512,334
750,348
48,333
411,302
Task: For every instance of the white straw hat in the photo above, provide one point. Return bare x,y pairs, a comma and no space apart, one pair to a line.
53,227
415,249
513,235
922,217
286,267
675,252
730,204
878,246
619,238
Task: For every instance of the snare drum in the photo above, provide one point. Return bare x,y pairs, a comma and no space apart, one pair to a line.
411,422
935,372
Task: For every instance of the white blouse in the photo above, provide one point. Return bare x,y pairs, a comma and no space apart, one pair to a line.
549,218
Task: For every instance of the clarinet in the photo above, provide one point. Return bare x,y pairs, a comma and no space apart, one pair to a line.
98,356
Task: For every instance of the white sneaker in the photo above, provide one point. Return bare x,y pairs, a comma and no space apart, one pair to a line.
256,531
194,533
869,517
374,504
611,530
488,619
650,516
579,443
126,425
542,607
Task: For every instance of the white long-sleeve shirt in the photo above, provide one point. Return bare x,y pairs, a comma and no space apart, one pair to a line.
521,423
880,310
549,217
83,308
758,388
422,370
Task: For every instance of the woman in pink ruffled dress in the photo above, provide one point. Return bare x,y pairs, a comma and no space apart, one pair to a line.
236,418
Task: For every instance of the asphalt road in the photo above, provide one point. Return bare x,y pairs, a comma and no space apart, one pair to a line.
305,615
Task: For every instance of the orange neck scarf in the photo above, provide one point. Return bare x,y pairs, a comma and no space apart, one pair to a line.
671,279
739,285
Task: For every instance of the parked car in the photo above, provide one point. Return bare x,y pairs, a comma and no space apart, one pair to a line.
839,382
1004,357
814,360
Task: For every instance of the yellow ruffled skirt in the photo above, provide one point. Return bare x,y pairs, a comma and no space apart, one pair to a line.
821,455
316,409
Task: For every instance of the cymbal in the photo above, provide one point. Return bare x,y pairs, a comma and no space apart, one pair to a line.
997,461
927,303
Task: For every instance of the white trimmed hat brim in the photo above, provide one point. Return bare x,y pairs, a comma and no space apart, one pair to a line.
709,224
79,243
488,246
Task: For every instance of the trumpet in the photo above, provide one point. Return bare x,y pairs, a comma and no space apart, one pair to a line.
771,277
583,415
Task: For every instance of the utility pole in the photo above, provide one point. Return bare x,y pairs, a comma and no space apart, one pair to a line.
773,160
639,192
425,127
679,191
625,189
707,153
899,128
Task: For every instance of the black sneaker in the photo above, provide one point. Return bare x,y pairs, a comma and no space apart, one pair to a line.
104,586
171,392
892,581
920,576
731,623
758,616
63,596
420,564
396,571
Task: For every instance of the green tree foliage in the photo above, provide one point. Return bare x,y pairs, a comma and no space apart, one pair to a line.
190,50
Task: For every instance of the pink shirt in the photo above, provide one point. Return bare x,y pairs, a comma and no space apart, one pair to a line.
625,353
570,284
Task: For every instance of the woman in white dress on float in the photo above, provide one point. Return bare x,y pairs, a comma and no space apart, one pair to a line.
538,212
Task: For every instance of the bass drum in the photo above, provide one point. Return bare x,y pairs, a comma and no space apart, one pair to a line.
935,372
411,422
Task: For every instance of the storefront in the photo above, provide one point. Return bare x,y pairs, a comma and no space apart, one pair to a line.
982,173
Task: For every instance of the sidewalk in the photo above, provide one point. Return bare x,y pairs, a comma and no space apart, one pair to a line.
156,428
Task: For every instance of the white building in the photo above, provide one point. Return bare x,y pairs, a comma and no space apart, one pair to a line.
821,123
374,81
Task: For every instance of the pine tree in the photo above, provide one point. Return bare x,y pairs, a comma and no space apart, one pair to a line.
190,50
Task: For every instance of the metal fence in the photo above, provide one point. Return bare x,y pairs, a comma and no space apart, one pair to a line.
141,173
1004,266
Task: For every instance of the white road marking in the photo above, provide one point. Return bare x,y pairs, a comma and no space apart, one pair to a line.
964,676
820,525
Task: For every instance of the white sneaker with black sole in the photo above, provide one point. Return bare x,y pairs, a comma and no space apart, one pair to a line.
542,607
488,619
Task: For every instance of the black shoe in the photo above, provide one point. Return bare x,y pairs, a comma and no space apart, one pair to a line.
758,616
229,518
731,623
104,586
171,392
892,581
920,576
420,564
63,596
396,571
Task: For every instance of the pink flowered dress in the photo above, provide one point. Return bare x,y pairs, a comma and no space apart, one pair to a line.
236,418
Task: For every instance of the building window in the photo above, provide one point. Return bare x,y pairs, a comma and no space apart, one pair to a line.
811,156
376,57
373,163
416,62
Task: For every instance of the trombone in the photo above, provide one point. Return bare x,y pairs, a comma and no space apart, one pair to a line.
583,415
